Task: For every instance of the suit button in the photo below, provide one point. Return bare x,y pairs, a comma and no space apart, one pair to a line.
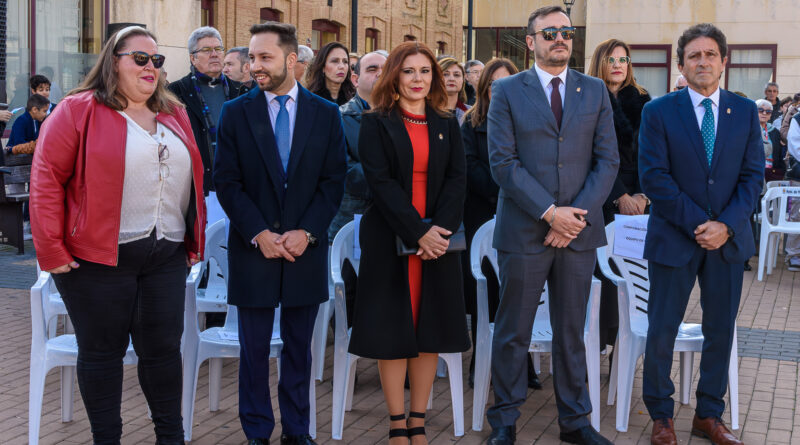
710,182
276,225
560,139
560,165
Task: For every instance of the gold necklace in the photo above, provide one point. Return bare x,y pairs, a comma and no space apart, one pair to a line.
415,121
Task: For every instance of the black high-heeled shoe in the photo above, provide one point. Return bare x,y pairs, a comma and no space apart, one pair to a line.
419,430
397,432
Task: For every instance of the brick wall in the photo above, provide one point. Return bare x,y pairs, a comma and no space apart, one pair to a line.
430,21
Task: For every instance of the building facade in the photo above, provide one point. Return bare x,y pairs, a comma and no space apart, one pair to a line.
380,24
763,37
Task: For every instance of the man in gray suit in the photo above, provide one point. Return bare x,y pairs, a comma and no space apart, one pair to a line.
553,151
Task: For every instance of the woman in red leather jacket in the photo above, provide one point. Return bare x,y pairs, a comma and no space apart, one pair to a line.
117,213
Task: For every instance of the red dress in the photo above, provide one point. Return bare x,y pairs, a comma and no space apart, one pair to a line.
417,128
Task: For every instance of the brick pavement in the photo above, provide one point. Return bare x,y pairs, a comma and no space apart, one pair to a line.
769,322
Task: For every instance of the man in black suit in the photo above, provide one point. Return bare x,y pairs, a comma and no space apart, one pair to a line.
279,172
203,91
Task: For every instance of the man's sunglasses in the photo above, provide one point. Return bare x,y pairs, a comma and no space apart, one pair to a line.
141,58
567,33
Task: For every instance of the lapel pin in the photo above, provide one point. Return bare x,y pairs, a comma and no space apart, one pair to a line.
728,111
578,90
441,137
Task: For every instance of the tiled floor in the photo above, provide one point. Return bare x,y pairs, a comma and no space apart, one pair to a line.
770,326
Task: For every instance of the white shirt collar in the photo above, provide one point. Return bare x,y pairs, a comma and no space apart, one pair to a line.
292,94
545,78
697,97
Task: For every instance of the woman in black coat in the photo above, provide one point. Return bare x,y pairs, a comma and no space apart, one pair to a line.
405,318
329,74
611,62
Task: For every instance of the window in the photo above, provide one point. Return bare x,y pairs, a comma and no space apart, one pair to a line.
207,12
370,40
409,38
651,67
270,15
749,68
322,33
441,48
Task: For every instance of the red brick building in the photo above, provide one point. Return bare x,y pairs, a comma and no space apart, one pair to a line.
381,24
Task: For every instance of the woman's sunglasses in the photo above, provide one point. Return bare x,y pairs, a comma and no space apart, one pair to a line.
567,33
141,58
764,111
624,60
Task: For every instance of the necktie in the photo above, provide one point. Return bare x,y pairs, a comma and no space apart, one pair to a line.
555,100
282,131
707,130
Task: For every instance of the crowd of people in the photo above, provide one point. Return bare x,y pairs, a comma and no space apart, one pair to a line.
289,146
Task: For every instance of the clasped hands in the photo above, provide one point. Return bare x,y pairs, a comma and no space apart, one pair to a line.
433,244
288,246
567,223
711,235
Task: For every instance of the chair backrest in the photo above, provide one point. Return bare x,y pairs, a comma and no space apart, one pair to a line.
636,294
341,250
772,184
40,294
217,254
191,329
776,200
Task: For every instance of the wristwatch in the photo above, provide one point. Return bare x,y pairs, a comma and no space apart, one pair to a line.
311,239
730,231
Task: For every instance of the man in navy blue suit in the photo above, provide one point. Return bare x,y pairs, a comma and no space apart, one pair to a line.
279,173
701,163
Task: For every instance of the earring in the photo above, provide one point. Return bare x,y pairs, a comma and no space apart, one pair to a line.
396,96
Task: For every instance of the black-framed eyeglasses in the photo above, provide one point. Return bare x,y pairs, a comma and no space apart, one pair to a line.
567,33
141,58
209,50
624,60
764,111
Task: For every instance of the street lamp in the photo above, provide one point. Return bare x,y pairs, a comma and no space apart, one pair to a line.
568,4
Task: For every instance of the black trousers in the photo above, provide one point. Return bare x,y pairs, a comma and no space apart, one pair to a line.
141,299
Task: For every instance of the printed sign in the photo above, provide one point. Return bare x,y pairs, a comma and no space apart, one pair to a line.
629,234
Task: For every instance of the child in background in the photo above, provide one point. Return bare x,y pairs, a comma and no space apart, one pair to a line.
41,85
26,128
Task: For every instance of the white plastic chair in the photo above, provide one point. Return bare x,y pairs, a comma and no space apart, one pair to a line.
214,344
541,335
48,352
774,222
321,336
633,295
344,363
214,297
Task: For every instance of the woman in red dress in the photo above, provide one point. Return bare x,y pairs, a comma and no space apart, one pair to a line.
410,308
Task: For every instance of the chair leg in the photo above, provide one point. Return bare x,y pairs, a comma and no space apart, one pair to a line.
687,363
38,373
351,383
312,412
625,387
191,367
593,370
430,400
483,354
733,382
441,368
341,368
214,383
537,367
762,254
613,376
319,339
453,362
67,392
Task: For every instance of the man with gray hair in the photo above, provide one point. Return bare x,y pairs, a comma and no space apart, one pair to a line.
304,56
473,69
203,91
680,83
771,94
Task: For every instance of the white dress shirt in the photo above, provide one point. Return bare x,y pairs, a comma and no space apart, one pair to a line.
793,139
700,110
291,107
545,78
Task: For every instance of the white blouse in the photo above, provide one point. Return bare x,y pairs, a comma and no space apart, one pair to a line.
157,184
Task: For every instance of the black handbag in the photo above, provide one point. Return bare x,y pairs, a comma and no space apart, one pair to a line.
458,242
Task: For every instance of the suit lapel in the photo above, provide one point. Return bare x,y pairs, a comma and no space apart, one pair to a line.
572,97
405,152
257,116
302,127
689,119
724,123
536,96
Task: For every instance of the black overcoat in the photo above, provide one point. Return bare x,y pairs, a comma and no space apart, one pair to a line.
383,326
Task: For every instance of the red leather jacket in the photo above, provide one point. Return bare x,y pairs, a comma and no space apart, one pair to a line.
77,180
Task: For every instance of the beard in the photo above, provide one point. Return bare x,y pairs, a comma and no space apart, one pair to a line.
550,59
273,80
